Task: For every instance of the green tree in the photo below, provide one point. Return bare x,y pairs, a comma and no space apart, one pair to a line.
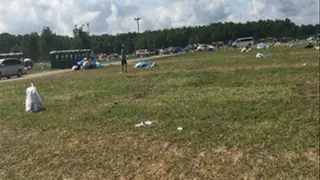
15,48
81,39
30,46
47,43
7,41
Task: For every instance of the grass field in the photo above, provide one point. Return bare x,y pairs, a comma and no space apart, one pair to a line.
242,118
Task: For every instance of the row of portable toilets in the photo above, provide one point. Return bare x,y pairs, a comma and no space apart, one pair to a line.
67,58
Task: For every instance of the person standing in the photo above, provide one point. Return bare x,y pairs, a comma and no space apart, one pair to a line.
123,59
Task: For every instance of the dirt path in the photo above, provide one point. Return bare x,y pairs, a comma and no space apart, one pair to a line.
31,76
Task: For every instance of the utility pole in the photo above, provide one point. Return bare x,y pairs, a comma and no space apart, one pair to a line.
138,27
88,28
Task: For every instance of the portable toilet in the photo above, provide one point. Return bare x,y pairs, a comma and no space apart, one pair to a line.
67,58
55,59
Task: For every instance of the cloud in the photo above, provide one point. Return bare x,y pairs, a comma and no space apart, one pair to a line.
299,11
117,16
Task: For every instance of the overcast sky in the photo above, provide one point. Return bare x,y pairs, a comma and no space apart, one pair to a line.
117,16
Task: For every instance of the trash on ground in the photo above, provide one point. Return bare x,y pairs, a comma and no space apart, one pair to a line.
144,124
310,45
33,101
262,46
245,49
277,44
304,64
75,67
146,64
317,47
179,128
293,45
260,55
28,64
116,102
86,64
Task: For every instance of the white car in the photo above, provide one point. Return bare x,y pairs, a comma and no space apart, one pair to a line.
11,67
205,47
142,53
243,42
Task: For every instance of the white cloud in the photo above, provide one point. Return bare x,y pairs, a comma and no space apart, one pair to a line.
117,16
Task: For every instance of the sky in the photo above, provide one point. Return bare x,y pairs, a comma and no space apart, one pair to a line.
117,16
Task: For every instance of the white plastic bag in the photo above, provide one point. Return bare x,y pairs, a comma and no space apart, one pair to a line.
33,100
245,50
144,123
260,55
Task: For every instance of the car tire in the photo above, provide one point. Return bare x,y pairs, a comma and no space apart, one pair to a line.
0,76
19,73
8,77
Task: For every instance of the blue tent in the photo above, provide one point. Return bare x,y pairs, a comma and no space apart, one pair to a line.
262,46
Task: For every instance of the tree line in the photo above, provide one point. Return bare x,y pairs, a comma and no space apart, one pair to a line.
37,46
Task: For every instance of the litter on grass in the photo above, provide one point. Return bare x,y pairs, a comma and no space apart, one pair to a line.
33,100
146,64
144,124
262,46
260,55
245,50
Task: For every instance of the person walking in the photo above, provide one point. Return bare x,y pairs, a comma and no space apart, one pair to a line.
123,59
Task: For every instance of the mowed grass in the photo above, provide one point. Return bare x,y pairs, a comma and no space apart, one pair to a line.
242,118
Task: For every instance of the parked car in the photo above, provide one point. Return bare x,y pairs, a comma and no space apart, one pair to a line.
11,67
142,53
169,49
163,51
152,52
243,42
188,48
218,44
176,50
205,47
113,56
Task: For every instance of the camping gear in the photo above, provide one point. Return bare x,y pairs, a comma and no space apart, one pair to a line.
146,64
262,46
293,45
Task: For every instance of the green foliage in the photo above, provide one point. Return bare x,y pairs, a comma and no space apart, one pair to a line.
29,44
81,39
